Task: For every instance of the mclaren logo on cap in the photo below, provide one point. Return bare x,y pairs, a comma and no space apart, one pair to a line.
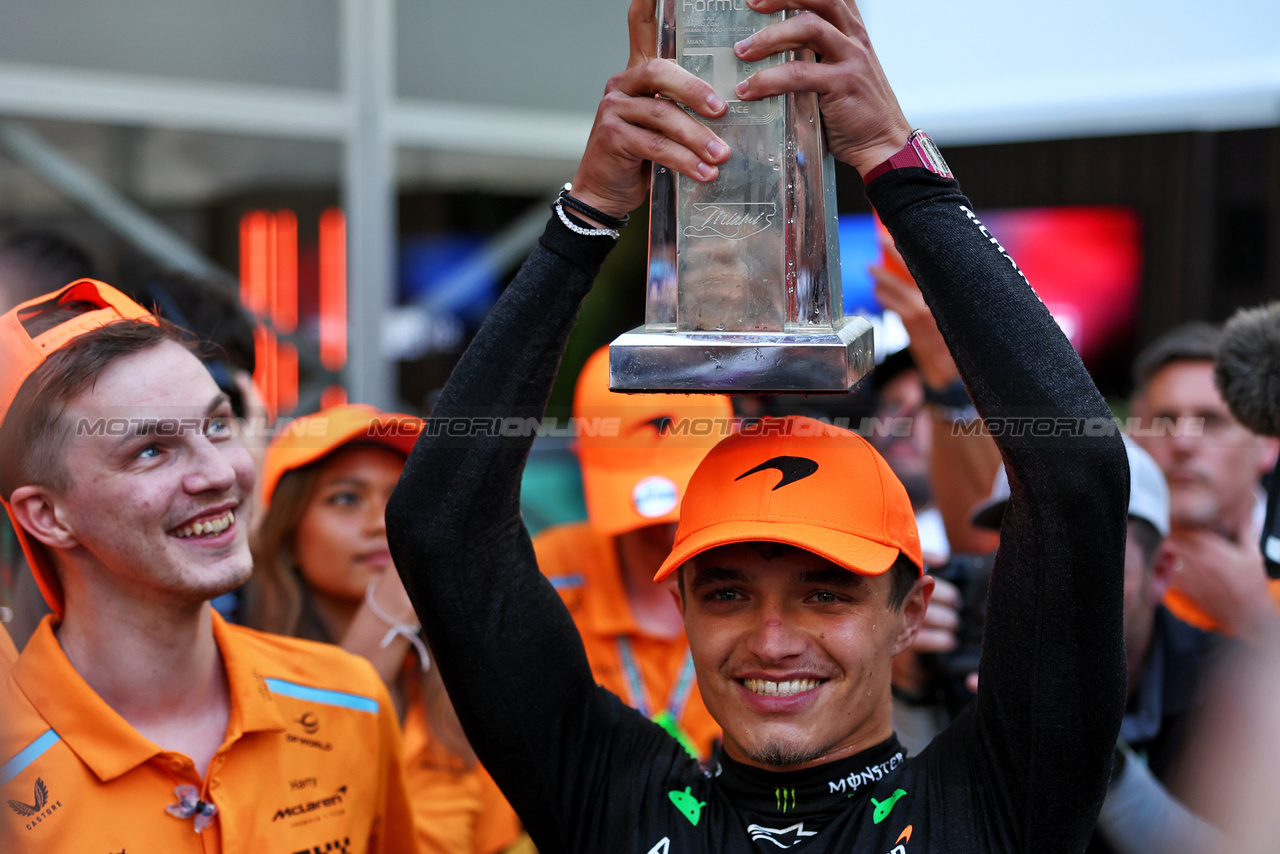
791,468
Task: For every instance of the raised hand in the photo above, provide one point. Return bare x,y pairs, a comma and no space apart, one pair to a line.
1225,576
633,128
937,635
900,294
863,121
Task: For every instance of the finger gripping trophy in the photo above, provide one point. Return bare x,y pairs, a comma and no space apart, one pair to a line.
743,288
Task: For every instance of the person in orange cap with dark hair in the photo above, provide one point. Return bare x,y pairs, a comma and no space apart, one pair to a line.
323,572
637,453
135,718
799,563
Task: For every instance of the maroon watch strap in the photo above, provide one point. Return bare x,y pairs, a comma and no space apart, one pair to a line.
919,151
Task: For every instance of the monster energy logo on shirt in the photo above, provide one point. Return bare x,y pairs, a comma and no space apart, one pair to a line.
871,774
785,798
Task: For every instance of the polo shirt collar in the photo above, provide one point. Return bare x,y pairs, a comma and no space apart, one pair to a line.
605,606
96,733
93,730
253,709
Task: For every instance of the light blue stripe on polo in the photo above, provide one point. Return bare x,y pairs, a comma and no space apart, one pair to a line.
321,695
561,582
27,755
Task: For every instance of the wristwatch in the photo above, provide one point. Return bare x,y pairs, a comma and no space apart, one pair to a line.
919,151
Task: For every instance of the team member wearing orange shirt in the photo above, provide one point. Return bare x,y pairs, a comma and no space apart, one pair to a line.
8,652
323,571
8,655
135,718
637,453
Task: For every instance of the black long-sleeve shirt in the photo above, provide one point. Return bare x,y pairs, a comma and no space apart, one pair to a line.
1023,769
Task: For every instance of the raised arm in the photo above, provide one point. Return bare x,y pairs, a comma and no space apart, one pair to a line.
1053,674
1053,678
1052,689
962,465
506,648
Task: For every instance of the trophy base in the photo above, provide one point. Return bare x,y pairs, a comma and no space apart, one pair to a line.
645,359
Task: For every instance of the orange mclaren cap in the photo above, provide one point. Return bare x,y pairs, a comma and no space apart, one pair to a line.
798,481
637,451
313,437
21,354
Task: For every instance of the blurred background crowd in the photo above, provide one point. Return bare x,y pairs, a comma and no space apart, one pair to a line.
334,192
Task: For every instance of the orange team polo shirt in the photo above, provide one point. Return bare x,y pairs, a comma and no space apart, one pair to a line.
582,565
311,761
1188,610
8,652
456,811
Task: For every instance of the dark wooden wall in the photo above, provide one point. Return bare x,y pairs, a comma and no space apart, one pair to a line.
1209,202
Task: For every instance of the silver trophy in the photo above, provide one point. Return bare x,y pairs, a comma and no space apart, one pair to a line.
744,272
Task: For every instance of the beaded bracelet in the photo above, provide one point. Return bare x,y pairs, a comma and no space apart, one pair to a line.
578,229
586,210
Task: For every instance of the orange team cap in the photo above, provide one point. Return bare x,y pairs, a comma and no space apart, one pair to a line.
313,437
21,354
798,481
637,451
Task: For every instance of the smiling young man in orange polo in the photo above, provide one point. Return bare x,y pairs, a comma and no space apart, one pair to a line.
135,718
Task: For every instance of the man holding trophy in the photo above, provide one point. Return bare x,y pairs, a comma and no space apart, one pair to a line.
800,572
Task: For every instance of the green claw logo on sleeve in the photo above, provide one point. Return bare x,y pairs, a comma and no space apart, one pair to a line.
883,808
688,805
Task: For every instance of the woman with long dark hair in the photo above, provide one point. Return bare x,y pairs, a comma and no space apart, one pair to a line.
323,571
